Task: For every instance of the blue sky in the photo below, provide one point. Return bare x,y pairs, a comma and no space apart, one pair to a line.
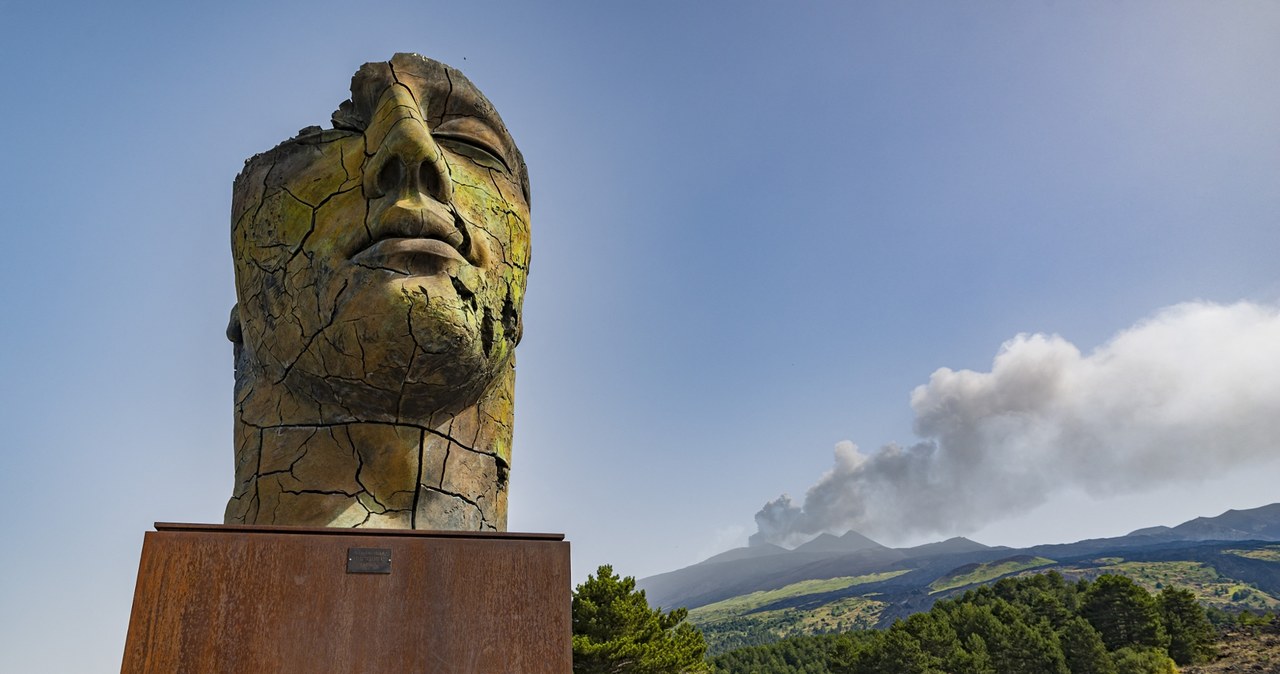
757,228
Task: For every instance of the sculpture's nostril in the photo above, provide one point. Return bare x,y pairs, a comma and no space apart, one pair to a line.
429,177
390,177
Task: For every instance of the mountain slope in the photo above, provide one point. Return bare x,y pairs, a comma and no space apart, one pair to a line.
760,594
1257,524
850,542
705,583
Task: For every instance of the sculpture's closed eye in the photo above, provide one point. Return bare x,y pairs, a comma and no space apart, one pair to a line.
474,139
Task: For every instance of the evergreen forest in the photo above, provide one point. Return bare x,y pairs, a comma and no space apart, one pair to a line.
1036,624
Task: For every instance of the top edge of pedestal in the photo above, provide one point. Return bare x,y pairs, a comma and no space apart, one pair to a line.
334,531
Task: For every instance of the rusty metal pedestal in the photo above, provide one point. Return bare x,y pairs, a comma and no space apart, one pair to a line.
213,598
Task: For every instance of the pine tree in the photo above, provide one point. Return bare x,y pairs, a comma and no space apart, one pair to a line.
1086,654
615,631
897,652
1123,613
1191,636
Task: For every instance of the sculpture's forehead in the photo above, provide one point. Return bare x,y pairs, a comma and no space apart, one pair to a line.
441,91
438,85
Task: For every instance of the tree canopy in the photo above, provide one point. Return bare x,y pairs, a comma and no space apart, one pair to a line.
1038,624
1191,635
616,632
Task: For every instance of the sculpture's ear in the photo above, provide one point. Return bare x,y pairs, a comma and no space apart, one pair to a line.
233,326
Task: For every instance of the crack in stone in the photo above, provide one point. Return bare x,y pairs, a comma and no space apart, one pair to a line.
359,470
306,347
265,178
444,465
468,501
378,267
448,96
323,492
479,452
422,448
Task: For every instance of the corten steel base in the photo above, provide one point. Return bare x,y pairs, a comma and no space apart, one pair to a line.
214,598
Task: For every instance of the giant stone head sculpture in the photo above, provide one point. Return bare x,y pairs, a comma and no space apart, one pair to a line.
380,271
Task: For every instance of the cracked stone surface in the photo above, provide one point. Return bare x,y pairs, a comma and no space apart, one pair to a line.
380,272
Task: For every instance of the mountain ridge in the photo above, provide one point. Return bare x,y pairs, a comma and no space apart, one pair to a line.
759,594
766,566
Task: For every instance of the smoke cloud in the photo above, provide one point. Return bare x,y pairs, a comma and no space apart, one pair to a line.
1190,392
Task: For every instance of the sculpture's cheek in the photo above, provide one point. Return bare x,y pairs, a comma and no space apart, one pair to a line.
488,199
277,225
320,168
494,205
339,229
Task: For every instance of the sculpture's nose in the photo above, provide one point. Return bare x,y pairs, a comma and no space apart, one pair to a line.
406,163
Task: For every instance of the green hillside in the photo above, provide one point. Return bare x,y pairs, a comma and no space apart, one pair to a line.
983,573
749,619
1231,576
1211,587
1266,553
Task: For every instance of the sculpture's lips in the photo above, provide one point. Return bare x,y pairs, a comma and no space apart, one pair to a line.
410,255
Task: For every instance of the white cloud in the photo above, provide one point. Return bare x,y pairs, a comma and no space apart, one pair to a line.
1188,393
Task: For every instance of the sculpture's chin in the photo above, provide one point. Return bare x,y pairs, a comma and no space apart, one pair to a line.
410,361
396,388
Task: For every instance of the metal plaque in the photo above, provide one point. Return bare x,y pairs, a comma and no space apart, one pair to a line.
368,560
